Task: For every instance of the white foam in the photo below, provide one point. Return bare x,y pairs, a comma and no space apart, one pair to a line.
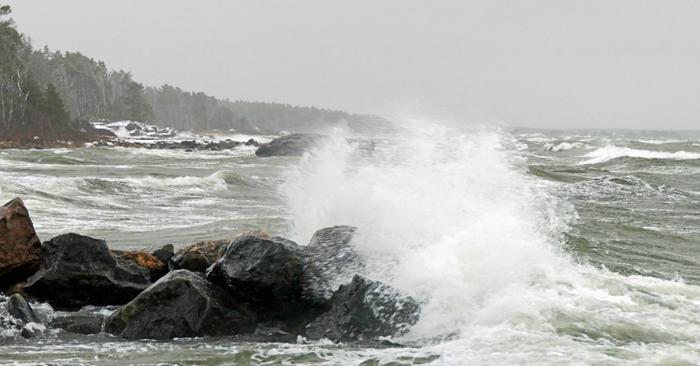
607,153
445,216
564,146
661,142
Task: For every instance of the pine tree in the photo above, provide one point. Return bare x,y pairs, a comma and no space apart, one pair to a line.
53,108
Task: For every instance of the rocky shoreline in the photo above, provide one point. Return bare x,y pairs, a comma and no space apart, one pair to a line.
253,287
140,135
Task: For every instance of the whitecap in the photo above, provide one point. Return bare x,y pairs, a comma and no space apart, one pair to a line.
607,153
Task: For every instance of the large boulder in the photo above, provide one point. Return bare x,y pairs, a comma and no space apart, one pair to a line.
18,307
269,275
78,270
181,304
199,256
79,322
331,260
156,268
164,253
20,248
295,144
365,310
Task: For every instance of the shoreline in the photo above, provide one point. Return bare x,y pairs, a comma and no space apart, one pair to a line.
254,285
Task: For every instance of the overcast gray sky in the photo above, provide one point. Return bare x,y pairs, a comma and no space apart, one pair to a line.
536,63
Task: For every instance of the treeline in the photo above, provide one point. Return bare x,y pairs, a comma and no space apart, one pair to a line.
27,109
89,90
173,107
50,93
48,96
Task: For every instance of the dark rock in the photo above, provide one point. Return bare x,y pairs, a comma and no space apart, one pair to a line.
269,275
199,256
20,248
133,126
79,322
365,310
78,270
164,253
30,332
335,236
295,144
331,261
181,304
192,261
18,307
156,268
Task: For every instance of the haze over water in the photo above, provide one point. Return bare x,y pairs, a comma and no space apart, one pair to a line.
522,246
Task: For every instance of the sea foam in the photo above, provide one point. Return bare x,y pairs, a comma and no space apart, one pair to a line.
607,153
447,216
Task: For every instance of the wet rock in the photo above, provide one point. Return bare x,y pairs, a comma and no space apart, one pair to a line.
32,330
181,304
187,145
156,268
164,253
192,261
365,310
199,256
78,270
269,275
20,248
18,307
79,322
335,236
295,144
331,261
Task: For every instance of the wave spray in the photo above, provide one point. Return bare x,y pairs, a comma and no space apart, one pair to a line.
449,216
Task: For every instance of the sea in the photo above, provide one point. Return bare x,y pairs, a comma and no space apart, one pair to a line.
523,246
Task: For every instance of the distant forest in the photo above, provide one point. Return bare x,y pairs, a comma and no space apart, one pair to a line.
53,94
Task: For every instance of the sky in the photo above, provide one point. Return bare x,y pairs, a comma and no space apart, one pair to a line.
550,63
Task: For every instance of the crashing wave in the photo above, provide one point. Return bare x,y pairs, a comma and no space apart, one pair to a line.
564,146
608,153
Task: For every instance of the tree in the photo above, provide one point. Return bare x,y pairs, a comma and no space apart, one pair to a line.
33,99
11,70
53,108
136,108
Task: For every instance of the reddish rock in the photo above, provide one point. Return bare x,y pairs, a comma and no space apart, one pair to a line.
145,260
20,248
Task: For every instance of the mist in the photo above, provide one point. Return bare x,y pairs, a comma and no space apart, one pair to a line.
552,64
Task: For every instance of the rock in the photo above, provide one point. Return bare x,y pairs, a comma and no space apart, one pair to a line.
78,270
295,144
156,268
331,261
269,275
32,330
192,261
181,304
18,307
79,322
20,248
335,236
199,256
164,253
365,310
133,126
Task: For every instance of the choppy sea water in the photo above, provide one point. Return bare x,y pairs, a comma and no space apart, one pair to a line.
523,247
